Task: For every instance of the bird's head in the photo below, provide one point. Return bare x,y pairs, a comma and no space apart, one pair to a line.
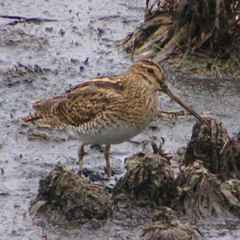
152,76
149,73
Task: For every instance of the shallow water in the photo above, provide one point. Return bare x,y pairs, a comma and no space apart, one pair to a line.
69,34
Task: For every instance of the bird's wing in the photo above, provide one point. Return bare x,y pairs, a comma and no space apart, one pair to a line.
79,104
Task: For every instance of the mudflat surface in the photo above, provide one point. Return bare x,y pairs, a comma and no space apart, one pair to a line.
44,55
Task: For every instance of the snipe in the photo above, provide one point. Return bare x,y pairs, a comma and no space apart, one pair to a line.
108,110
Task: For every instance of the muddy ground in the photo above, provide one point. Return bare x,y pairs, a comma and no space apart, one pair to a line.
45,56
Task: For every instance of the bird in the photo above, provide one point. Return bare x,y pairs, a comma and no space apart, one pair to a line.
108,110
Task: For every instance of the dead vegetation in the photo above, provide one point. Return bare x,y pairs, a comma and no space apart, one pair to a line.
166,226
148,181
220,153
206,187
66,199
201,195
182,32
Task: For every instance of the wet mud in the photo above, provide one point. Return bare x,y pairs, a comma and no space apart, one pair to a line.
55,46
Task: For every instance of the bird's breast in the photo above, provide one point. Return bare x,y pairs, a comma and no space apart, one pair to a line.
121,120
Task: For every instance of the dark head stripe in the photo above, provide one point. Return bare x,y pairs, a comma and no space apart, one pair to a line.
149,63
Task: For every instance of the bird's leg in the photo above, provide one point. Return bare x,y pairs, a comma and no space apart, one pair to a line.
81,153
106,155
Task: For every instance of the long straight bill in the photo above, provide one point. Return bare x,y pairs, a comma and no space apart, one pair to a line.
175,98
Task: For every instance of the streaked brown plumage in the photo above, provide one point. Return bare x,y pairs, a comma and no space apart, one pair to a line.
108,110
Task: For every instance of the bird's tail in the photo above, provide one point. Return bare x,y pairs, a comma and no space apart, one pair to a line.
32,117
44,113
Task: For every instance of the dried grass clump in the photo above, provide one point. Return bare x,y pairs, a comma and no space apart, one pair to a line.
219,153
148,181
66,199
202,196
176,31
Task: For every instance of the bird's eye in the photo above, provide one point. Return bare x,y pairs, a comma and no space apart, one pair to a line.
150,70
